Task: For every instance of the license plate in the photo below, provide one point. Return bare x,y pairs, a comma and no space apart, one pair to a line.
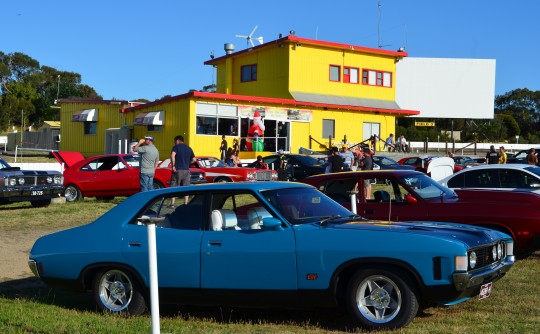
485,291
36,193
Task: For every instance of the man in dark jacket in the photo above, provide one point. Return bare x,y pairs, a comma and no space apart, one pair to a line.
492,157
335,161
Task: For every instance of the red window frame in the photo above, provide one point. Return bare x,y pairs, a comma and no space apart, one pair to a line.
338,73
379,78
252,68
347,74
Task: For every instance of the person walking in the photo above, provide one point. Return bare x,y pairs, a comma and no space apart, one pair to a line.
492,157
149,161
503,157
181,157
532,158
223,148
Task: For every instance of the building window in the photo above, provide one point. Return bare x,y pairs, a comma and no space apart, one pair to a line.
155,128
328,128
350,75
90,128
377,78
248,73
206,125
334,73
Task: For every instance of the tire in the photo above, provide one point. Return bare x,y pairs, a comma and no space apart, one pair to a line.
41,203
115,291
379,299
158,185
72,193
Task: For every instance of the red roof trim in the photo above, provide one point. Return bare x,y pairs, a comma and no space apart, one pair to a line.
273,100
296,39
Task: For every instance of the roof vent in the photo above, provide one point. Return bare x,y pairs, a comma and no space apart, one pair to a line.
229,48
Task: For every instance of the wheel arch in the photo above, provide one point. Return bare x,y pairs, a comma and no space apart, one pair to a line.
344,273
88,273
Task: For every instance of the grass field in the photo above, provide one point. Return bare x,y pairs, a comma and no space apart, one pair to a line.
26,306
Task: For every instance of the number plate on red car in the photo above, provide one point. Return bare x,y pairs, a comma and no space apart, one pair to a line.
485,290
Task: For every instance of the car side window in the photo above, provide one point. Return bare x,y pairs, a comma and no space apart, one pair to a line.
338,189
383,189
239,211
482,179
514,179
182,212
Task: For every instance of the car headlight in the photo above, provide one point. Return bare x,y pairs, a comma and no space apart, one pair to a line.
58,179
250,176
500,251
12,182
472,259
49,179
21,181
494,252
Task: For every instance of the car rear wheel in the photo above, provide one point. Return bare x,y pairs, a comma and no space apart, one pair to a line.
380,299
115,291
158,185
72,193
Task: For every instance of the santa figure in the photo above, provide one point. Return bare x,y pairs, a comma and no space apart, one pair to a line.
254,140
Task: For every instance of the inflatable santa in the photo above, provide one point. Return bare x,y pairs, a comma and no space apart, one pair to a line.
254,140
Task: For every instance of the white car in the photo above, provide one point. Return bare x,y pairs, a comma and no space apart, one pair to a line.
502,177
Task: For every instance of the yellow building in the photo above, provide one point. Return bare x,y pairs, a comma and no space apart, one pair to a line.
307,91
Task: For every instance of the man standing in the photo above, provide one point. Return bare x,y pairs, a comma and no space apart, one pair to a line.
149,161
503,156
348,158
532,158
492,157
223,148
335,161
181,157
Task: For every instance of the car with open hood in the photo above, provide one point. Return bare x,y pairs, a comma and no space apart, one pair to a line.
271,244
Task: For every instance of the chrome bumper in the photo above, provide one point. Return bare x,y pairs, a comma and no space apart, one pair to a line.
33,267
466,280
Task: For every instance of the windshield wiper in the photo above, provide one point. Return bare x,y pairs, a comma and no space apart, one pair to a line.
330,218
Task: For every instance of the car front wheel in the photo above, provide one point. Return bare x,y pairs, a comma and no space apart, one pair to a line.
380,299
72,193
115,291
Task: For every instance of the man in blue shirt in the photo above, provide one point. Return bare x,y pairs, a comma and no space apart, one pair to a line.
181,157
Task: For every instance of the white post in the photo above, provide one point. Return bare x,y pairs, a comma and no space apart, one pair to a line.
152,261
352,194
119,146
150,223
126,146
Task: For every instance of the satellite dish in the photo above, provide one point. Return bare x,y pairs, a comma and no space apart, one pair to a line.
249,38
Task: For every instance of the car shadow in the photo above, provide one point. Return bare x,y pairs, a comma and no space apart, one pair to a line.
34,290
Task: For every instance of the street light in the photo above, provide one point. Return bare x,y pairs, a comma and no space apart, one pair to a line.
517,139
57,93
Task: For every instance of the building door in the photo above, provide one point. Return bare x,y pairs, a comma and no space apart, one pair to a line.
371,129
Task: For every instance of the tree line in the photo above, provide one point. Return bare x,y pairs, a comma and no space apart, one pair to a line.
28,92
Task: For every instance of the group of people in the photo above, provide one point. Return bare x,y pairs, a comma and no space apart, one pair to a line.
229,155
182,157
499,157
346,159
398,145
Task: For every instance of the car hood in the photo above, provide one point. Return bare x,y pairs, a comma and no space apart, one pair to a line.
471,235
67,158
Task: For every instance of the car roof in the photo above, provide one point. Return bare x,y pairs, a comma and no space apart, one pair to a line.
492,166
372,173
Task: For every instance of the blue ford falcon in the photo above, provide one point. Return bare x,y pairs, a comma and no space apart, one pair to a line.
272,244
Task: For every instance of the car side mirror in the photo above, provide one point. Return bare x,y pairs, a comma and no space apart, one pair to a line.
271,223
410,199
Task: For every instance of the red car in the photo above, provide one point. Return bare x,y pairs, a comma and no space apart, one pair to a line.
409,195
110,175
217,171
421,163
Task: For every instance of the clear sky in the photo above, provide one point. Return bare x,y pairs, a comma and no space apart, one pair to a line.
129,49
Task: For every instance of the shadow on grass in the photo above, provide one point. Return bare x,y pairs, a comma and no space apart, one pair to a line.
34,290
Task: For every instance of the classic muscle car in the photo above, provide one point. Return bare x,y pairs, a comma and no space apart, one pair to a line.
217,171
268,244
37,187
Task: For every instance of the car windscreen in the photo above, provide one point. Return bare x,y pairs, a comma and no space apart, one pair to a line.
306,160
534,170
304,205
4,164
426,187
212,162
383,161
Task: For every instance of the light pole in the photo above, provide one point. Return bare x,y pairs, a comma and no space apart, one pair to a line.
57,89
517,139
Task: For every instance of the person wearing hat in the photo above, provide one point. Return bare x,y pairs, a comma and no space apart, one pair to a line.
149,161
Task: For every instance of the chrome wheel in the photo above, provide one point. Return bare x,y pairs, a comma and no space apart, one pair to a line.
378,299
72,193
115,290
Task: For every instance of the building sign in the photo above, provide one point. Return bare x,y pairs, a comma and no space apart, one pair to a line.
277,114
424,123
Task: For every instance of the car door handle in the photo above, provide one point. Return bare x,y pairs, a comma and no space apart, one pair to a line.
368,212
214,243
134,244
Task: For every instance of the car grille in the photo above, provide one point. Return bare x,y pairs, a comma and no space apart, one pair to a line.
263,175
31,180
484,256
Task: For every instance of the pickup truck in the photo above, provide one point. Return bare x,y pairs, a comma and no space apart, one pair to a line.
37,187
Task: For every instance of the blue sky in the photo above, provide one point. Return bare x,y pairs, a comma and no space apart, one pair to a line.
148,49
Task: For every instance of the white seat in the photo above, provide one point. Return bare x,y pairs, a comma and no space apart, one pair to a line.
255,216
224,220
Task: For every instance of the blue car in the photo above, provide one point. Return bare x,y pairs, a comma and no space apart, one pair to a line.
272,244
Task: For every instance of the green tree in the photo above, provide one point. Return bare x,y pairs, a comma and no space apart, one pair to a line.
524,106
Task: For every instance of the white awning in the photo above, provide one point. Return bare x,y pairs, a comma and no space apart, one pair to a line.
153,118
139,119
87,115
